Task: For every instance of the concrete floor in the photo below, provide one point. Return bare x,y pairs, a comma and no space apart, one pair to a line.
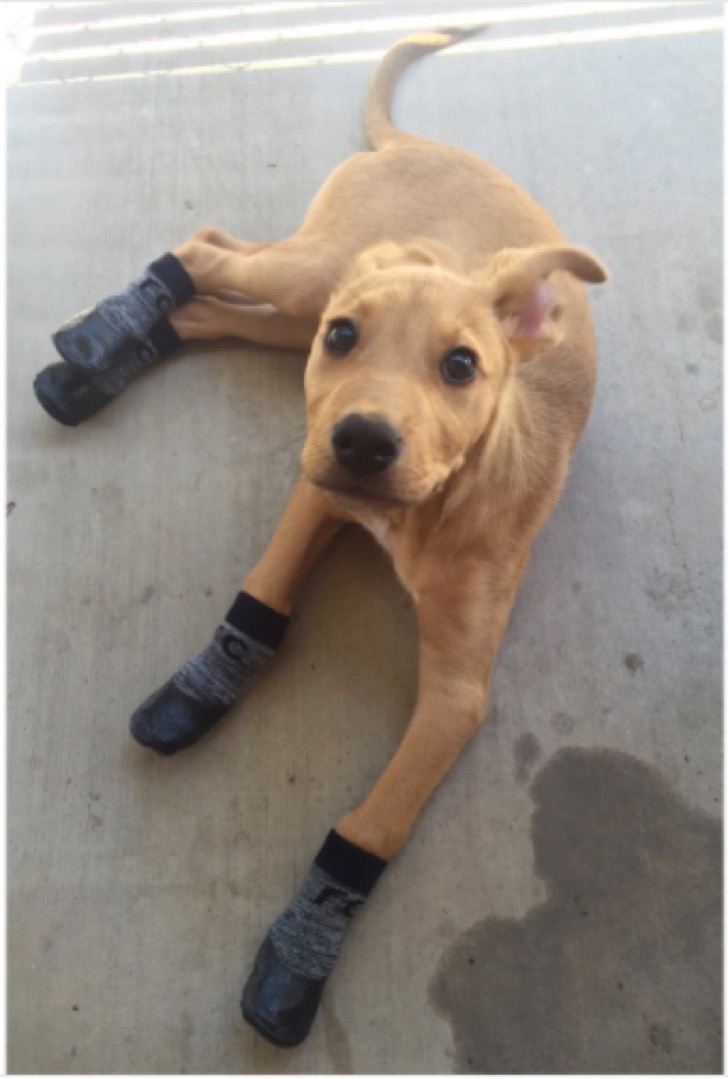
558,906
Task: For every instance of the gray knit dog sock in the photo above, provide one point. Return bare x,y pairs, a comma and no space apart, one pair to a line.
308,935
240,647
125,332
136,354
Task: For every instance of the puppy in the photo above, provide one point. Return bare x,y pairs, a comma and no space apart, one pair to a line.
451,372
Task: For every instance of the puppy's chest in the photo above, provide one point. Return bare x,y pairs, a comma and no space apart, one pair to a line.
381,529
393,541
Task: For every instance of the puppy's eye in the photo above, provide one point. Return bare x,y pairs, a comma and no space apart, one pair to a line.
341,336
459,366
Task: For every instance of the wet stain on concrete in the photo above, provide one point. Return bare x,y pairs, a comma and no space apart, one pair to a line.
634,662
619,971
526,753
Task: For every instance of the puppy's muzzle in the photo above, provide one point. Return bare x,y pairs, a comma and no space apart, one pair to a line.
364,445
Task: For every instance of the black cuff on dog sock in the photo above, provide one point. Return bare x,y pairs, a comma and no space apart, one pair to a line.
172,273
258,620
353,866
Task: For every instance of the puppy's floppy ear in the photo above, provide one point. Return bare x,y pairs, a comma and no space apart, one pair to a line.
524,301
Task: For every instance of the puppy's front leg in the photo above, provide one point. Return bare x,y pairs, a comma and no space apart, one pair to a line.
206,687
462,613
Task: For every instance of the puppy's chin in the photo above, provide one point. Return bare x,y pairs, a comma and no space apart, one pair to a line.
385,489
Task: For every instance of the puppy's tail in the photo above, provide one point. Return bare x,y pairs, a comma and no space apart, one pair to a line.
377,122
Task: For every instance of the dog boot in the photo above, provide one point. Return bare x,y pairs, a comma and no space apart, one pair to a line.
68,395
94,340
282,995
280,1004
206,687
106,346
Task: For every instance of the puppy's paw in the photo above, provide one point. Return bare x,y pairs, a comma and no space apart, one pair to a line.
170,720
279,1003
68,394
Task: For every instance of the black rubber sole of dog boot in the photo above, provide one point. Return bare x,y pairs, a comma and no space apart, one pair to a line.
169,720
278,1003
69,395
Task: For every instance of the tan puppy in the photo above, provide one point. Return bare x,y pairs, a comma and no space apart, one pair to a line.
426,261
451,371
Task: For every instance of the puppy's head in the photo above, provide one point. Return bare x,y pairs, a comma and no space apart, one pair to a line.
410,360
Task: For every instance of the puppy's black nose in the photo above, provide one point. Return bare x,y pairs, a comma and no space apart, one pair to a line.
365,445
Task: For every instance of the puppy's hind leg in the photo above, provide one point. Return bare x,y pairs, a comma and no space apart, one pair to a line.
206,687
103,348
210,318
296,275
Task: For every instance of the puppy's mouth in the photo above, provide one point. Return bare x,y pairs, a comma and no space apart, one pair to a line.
362,491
